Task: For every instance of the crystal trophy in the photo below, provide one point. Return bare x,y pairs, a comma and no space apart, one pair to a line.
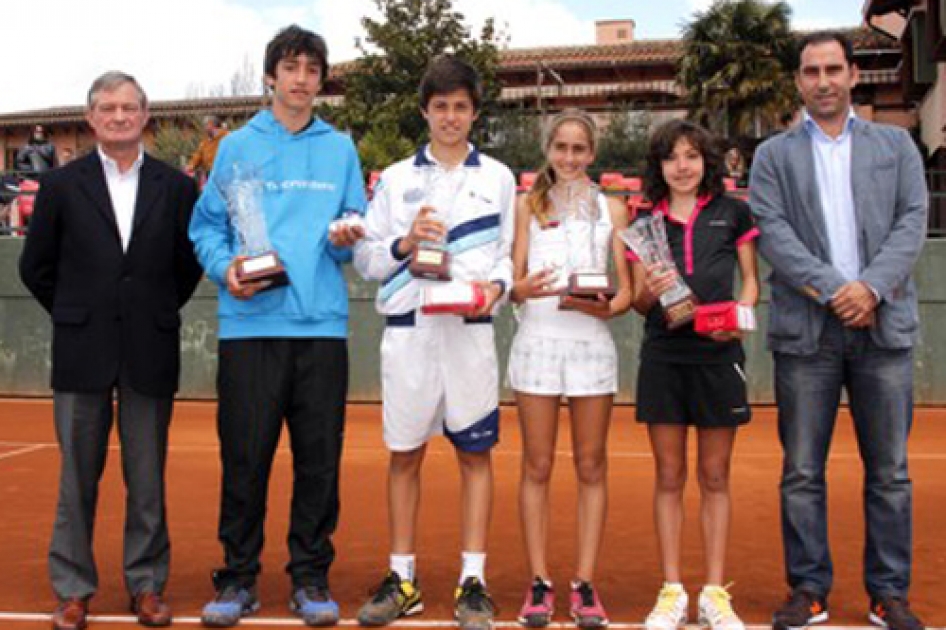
647,239
431,259
243,192
576,203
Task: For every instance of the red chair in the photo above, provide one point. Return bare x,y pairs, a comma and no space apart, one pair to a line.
635,197
526,180
612,182
373,178
26,199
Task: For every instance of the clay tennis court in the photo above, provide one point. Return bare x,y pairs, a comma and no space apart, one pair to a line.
628,574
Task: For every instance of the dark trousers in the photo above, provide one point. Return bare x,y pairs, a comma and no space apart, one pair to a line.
879,385
260,383
83,423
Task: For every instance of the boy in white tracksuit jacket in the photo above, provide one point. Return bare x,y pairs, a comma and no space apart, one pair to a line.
439,373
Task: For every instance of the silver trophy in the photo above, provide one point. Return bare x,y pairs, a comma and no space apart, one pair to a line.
431,260
647,238
243,191
576,206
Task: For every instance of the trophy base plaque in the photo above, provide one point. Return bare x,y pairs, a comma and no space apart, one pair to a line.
679,312
588,286
265,266
456,298
430,264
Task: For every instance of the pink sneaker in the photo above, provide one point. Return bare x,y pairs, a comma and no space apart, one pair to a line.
587,610
539,606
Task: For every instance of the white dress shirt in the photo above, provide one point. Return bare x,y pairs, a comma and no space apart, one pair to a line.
832,161
123,191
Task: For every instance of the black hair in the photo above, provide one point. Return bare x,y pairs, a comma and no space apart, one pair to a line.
292,41
447,74
824,37
660,148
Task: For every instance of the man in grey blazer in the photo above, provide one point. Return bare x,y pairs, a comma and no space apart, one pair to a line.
841,204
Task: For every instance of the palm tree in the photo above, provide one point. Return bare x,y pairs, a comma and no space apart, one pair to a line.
736,66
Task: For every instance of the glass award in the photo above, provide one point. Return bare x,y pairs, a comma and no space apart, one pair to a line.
576,204
647,238
243,191
431,259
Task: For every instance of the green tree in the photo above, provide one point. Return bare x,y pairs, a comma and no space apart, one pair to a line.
381,89
382,146
173,143
736,66
514,137
623,143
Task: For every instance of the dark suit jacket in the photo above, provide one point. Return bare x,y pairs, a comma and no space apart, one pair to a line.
115,313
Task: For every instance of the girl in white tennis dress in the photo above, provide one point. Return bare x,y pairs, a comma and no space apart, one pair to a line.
565,352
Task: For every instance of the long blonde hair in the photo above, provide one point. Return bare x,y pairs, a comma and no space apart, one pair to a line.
538,196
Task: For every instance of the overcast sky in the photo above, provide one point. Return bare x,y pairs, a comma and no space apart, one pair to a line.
178,48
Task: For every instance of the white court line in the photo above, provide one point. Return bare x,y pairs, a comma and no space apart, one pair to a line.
23,451
431,623
32,446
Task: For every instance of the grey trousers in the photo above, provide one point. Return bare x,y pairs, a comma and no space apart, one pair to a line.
83,423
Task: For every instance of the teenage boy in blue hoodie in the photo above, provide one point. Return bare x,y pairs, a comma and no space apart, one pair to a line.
282,353
439,373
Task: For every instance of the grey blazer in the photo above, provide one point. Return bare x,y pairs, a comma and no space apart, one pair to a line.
890,199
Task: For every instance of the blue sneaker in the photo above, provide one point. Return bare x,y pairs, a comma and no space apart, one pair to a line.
231,603
314,605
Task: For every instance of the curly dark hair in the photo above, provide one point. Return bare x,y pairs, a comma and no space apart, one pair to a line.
661,145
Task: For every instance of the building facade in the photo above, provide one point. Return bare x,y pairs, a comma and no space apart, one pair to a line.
617,72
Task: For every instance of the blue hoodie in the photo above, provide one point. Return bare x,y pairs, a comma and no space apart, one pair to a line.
310,178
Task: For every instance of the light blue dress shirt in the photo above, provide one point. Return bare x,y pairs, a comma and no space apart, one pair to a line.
832,161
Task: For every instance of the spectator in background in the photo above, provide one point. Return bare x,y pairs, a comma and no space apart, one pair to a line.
37,156
736,167
203,159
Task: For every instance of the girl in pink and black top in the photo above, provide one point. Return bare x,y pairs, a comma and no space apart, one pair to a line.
686,378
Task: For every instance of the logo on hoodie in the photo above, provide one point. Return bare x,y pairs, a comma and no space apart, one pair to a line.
300,184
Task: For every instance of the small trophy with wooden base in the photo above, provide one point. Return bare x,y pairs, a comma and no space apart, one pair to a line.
244,195
576,203
431,259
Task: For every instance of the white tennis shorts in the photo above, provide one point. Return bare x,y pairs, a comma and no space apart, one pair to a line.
547,366
439,375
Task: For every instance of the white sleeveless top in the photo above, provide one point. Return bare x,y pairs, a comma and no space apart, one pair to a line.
550,247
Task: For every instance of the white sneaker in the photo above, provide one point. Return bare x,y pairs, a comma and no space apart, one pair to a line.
670,612
716,610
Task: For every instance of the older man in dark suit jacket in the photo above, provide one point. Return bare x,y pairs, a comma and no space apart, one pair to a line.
108,256
841,203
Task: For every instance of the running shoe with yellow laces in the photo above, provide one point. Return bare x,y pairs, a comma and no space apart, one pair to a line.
474,608
670,612
394,598
716,611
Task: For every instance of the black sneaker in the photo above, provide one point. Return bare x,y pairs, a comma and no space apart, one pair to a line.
394,598
474,608
893,613
801,609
